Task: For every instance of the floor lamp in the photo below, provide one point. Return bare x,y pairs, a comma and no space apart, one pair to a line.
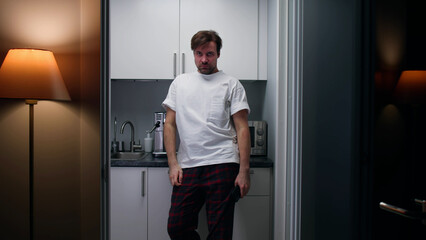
31,74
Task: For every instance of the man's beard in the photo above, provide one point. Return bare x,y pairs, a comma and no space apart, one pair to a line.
208,70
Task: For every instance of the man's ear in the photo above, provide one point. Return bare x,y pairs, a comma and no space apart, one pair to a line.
218,55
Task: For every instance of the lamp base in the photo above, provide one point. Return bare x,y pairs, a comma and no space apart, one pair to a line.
31,104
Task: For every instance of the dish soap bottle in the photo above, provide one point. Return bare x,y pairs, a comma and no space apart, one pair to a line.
148,142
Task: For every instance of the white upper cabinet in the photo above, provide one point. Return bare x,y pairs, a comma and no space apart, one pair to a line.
150,39
236,21
144,38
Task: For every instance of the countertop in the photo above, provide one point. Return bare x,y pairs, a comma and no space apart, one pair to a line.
150,161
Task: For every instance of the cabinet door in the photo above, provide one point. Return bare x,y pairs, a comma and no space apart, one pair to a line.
252,215
159,197
128,206
252,218
260,182
236,21
144,36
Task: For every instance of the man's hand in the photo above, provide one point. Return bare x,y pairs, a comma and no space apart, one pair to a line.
243,181
175,175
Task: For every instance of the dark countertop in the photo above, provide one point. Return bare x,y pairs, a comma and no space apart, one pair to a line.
150,161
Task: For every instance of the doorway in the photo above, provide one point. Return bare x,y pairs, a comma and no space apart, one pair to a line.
398,156
363,138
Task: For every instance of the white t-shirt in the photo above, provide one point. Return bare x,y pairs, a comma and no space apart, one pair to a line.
204,105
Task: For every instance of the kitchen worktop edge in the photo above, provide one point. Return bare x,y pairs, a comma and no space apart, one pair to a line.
255,162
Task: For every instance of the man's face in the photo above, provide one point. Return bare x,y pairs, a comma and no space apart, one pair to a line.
206,58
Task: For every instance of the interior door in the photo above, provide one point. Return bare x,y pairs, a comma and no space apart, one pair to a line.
399,117
399,162
363,129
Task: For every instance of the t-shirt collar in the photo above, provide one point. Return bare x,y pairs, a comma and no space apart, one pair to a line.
209,76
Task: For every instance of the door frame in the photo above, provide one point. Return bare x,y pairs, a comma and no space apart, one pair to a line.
105,86
289,120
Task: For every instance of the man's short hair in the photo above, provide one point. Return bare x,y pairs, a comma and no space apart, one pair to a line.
203,37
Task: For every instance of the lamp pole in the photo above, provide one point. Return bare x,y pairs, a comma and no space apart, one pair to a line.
31,104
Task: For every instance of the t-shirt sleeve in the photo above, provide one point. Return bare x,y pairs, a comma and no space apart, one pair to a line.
170,101
238,99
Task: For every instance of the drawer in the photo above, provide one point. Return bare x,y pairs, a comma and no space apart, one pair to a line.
260,180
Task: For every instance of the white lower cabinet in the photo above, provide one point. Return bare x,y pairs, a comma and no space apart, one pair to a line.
129,204
253,214
159,197
132,189
252,218
140,202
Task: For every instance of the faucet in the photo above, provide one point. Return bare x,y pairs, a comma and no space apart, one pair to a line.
133,146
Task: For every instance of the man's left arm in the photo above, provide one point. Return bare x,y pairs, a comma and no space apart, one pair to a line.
240,119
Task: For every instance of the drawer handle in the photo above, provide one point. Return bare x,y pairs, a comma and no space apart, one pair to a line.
183,62
174,64
143,184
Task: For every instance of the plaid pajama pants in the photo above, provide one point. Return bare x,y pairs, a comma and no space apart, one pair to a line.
211,185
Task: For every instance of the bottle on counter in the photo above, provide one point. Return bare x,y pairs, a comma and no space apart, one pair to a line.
148,142
115,146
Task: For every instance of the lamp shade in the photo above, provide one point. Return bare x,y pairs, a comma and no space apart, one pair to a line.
31,74
411,87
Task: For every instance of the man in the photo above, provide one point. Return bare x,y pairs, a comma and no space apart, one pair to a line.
209,109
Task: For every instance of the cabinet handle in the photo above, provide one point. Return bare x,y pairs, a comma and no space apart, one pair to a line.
251,171
143,184
183,62
174,64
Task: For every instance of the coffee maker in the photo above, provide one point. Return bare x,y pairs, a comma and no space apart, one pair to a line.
159,119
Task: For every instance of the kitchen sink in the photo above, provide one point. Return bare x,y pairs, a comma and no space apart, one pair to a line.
129,155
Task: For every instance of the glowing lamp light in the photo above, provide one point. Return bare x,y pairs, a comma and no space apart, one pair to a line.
31,74
411,87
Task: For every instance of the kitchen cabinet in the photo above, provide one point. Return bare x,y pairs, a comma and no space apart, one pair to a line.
253,213
140,202
144,38
237,22
132,190
129,204
252,218
151,39
159,197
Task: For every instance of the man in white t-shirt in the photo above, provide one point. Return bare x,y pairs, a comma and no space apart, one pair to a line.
209,109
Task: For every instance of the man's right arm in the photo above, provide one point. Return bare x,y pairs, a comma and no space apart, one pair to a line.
175,171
